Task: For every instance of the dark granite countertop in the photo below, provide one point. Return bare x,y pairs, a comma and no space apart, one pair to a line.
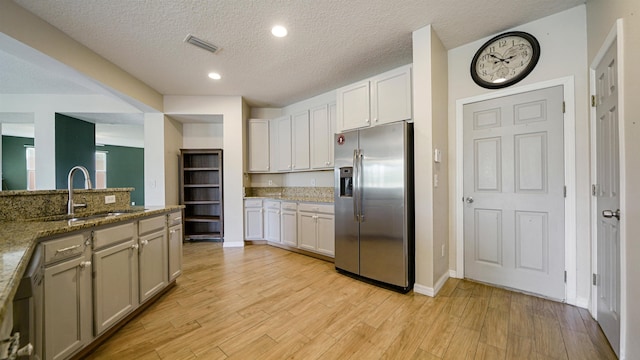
18,240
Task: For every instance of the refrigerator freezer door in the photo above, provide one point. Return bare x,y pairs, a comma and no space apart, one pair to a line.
383,229
347,251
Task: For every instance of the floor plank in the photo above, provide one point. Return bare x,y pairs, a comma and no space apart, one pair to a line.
263,302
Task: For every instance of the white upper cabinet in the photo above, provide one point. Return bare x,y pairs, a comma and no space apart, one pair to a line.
258,145
391,96
322,120
283,145
300,141
353,106
381,99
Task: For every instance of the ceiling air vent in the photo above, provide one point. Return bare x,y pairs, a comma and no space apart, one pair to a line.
201,43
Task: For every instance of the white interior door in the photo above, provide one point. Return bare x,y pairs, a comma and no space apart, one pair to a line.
607,192
514,191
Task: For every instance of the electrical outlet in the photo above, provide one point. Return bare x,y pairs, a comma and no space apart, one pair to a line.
442,250
109,199
270,182
435,180
313,182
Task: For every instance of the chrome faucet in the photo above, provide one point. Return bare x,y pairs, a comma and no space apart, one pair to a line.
71,206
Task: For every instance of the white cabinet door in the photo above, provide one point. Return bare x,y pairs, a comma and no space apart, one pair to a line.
353,106
391,96
289,232
67,307
154,269
115,284
253,223
283,126
272,221
300,141
321,138
325,234
175,252
307,230
258,145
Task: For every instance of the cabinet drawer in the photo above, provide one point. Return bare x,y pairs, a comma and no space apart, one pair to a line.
318,208
270,204
253,203
113,235
147,226
289,206
64,248
174,218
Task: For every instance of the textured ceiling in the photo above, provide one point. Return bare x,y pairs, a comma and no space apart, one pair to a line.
331,42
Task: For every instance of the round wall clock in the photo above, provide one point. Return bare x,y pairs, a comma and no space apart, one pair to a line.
505,59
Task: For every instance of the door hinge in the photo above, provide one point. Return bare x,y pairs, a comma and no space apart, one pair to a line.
565,276
593,190
593,100
595,280
565,191
564,107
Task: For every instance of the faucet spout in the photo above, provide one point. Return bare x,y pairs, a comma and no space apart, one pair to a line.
71,205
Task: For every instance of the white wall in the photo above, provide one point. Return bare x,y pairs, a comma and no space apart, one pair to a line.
203,136
563,44
233,110
154,164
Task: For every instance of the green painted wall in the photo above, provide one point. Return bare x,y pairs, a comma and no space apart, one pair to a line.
14,162
75,145
125,168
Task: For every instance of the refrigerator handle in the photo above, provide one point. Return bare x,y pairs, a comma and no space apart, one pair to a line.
360,190
355,185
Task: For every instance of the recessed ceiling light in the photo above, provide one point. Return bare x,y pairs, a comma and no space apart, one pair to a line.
215,76
279,31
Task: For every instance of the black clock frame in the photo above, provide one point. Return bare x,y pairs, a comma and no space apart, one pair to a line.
535,56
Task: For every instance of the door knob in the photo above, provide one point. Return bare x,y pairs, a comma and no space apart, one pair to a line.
468,200
610,213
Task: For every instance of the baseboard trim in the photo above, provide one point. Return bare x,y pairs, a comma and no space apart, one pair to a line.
582,302
431,291
233,244
454,274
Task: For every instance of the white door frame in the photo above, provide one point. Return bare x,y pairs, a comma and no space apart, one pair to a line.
569,176
615,35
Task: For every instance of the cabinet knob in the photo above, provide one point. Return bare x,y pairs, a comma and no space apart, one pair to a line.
366,120
85,264
144,242
375,119
134,246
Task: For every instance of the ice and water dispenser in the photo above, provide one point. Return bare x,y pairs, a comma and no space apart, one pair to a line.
346,181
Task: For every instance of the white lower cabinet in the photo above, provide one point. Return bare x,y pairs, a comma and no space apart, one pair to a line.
272,221
288,224
115,279
253,220
316,228
174,221
67,295
94,279
153,262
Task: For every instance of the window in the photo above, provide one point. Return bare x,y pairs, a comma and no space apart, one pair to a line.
31,167
101,169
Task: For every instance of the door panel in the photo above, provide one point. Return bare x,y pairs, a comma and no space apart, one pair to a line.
346,225
608,198
382,234
514,191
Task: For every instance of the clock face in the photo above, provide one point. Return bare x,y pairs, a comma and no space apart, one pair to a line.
505,59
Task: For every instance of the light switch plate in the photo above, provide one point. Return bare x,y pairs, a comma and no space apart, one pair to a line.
109,199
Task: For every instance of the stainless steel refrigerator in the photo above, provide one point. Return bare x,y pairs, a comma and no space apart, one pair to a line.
374,207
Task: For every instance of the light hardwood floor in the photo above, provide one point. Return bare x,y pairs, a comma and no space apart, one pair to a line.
261,302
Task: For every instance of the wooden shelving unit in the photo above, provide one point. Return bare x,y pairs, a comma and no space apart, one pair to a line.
201,193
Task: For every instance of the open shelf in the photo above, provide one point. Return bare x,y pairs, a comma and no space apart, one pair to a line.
201,193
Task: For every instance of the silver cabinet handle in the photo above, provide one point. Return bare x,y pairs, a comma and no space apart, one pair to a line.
85,264
68,249
610,213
